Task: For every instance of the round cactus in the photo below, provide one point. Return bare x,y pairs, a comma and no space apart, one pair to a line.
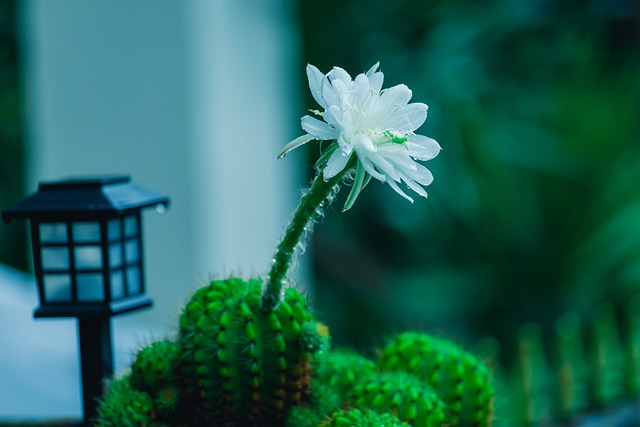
156,366
124,406
402,394
362,418
340,368
156,371
461,380
242,364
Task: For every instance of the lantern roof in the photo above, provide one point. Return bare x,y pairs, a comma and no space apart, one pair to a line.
94,195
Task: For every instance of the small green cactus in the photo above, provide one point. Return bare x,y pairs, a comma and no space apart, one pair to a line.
362,418
402,394
461,380
156,370
341,368
124,406
155,366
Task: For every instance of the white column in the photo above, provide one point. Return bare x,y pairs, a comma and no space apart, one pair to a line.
193,99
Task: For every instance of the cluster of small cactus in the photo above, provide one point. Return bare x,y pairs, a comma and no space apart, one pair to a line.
232,363
417,380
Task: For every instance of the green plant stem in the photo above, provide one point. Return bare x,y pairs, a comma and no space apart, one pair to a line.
308,209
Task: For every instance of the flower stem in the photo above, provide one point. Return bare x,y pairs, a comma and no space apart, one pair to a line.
310,205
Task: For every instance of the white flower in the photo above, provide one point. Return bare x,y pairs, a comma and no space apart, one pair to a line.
372,128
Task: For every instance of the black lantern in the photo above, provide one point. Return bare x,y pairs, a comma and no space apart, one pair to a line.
86,236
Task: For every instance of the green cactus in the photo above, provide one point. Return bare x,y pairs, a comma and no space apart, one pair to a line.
241,364
341,368
362,418
155,366
156,370
461,380
124,406
399,393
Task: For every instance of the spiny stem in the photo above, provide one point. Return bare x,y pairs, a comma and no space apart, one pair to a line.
309,206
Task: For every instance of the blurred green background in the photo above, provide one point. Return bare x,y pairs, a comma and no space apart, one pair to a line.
535,207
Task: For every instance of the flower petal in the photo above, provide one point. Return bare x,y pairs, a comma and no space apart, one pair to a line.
315,78
301,140
422,147
416,115
340,74
370,168
363,142
319,129
329,94
398,190
362,91
335,164
384,166
373,69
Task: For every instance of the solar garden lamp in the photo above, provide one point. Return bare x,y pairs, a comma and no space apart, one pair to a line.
86,236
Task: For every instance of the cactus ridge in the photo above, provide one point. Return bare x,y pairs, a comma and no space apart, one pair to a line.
402,394
461,380
362,418
242,364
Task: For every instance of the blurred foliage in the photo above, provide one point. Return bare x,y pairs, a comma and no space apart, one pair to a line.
588,375
535,207
13,239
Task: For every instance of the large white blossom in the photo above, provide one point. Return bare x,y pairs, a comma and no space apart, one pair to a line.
371,127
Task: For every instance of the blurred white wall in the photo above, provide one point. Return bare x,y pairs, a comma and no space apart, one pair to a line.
193,99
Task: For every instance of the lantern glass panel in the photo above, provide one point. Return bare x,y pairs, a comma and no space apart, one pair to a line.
114,229
131,226
88,257
55,258
117,284
53,232
86,232
90,287
115,255
133,280
57,287
132,251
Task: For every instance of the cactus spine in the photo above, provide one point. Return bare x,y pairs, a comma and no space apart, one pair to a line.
462,381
